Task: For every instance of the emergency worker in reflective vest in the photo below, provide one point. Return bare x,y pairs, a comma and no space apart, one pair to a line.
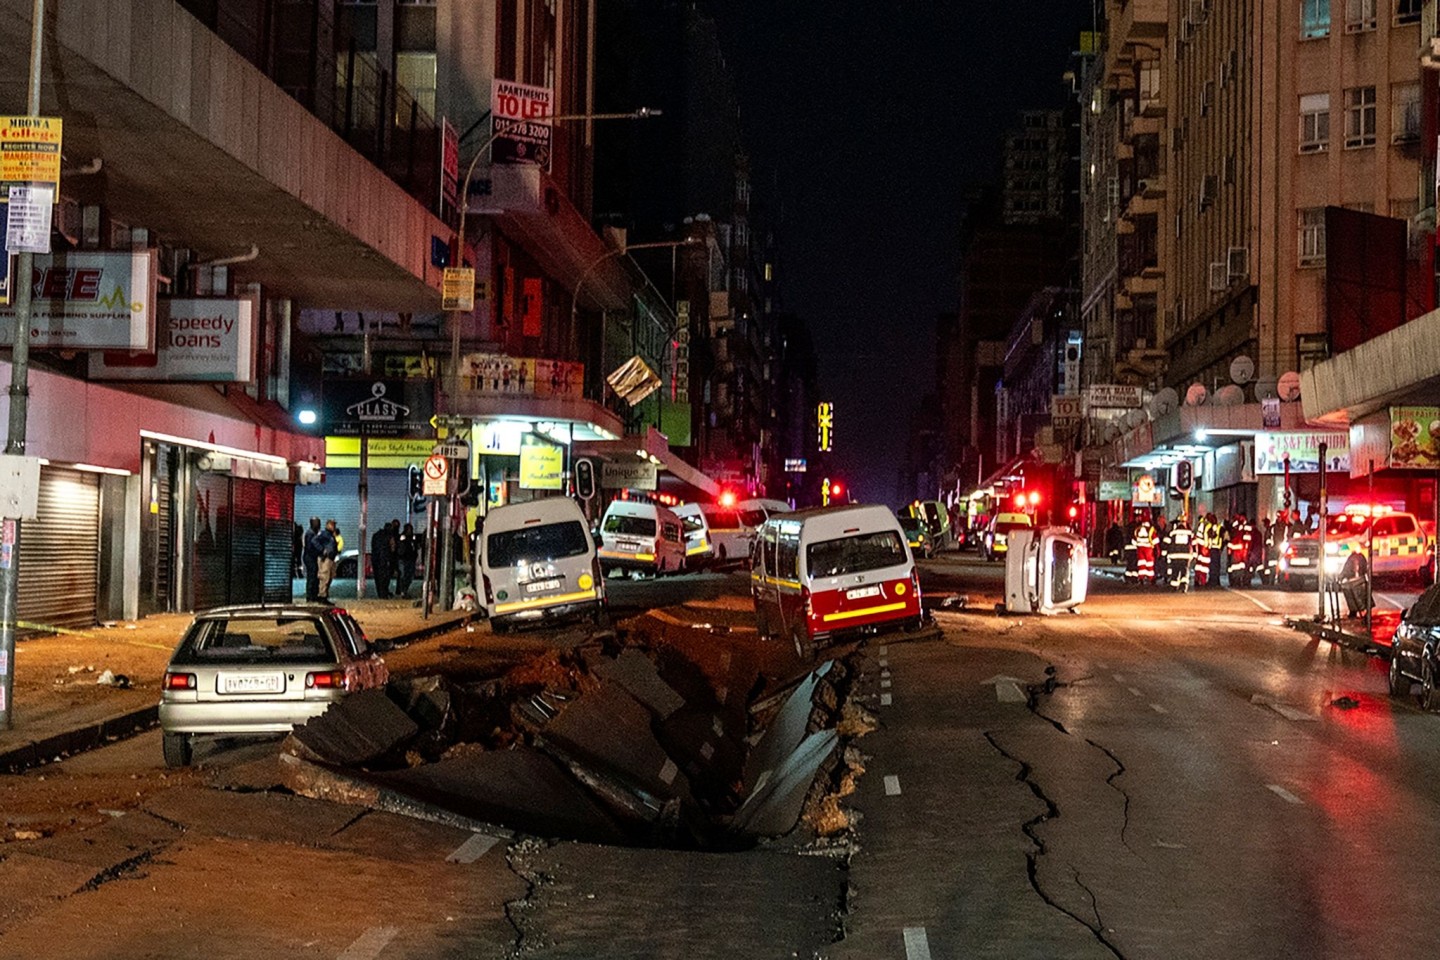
1179,546
1241,533
1145,542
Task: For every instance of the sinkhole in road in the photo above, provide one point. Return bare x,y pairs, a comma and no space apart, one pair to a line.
690,736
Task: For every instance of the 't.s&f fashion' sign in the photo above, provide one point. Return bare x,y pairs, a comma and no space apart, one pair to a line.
1302,448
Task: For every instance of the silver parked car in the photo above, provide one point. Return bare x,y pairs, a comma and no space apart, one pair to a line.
258,669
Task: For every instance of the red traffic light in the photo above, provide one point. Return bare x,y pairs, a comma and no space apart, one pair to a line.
836,489
1074,511
727,498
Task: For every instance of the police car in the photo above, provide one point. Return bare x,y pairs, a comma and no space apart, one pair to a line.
1401,545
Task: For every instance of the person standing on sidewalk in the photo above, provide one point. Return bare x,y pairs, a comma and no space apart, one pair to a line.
382,559
406,552
328,542
310,560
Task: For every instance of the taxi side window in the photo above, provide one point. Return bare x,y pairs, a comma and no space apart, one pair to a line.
671,531
1385,527
769,550
787,552
1404,526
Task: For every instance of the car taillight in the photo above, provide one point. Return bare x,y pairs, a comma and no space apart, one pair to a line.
329,680
180,681
805,598
489,595
915,582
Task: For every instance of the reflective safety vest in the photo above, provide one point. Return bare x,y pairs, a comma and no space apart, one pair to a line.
1180,540
1145,535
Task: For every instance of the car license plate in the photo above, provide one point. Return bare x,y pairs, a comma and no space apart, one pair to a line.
1299,562
859,593
253,683
628,547
539,585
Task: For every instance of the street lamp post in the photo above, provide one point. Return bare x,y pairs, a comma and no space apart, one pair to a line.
447,543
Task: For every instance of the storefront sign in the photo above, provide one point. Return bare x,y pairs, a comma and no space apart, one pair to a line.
520,125
501,438
1112,396
793,465
208,340
542,465
1114,490
379,407
496,374
1066,409
825,427
1415,438
90,301
385,452
1303,449
628,476
30,150
378,323
449,164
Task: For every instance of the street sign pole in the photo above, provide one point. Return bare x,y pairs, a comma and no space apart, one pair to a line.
19,407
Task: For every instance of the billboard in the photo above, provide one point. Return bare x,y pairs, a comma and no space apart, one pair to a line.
499,374
1415,438
84,300
1302,447
379,407
542,464
195,339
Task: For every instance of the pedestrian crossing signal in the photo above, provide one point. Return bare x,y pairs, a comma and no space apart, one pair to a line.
1184,475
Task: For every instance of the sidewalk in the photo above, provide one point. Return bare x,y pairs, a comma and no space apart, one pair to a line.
61,708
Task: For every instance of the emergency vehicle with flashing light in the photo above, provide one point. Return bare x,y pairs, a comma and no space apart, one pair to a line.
820,574
995,541
1401,546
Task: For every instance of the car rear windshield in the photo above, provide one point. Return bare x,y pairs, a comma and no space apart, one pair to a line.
631,526
257,640
721,519
549,541
1005,526
693,524
752,518
866,551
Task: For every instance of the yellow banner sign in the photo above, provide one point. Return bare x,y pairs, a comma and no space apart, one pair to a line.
457,289
30,149
542,465
385,452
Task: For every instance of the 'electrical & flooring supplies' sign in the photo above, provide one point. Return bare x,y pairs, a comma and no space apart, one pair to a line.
90,301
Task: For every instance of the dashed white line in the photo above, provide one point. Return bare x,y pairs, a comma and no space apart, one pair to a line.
892,785
473,849
1135,691
886,699
884,662
1283,794
1257,603
368,945
884,673
917,945
1119,677
1158,709
885,682
882,650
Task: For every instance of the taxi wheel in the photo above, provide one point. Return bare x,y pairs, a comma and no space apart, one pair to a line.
1428,698
177,749
1399,683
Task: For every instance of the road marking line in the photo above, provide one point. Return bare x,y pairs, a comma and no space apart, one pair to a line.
368,945
884,673
1283,794
473,849
668,772
1390,599
882,650
892,785
717,726
1119,677
917,945
1135,691
885,682
884,662
1010,692
707,750
1158,709
886,699
1247,596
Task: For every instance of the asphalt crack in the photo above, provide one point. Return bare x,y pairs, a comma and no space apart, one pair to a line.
117,871
1110,782
1032,857
514,909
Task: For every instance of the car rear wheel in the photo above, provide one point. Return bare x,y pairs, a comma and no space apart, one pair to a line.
177,749
1428,698
1399,683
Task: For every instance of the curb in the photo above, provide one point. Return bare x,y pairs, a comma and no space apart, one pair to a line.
1353,641
68,743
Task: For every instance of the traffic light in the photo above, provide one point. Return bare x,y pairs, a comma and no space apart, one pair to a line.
585,479
1184,475
416,488
727,498
837,489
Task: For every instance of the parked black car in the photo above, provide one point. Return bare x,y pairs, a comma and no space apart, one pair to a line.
1415,654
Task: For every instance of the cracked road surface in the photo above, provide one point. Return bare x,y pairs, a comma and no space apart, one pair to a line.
1141,804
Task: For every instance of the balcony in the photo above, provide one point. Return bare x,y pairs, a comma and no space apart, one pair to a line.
1151,186
1139,285
1142,205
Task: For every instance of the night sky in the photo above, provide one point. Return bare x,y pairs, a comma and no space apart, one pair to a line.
868,122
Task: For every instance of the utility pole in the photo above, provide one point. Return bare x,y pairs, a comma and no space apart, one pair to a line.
19,406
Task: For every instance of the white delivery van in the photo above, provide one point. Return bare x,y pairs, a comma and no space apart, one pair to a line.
713,534
821,574
537,560
754,512
641,538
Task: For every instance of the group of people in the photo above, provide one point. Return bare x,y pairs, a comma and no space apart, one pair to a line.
1179,555
393,555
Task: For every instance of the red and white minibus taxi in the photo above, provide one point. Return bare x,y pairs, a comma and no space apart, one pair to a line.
817,575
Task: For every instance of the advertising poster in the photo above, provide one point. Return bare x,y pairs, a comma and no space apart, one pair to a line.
196,340
1303,449
90,301
1415,438
520,123
542,464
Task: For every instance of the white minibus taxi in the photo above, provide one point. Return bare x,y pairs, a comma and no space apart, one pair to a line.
642,538
537,561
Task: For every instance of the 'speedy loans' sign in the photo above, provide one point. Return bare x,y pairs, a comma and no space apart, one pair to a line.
198,339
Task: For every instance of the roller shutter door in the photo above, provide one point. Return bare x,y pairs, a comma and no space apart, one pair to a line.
279,542
60,551
338,498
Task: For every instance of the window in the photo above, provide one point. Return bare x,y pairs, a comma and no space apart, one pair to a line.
1312,237
1359,15
1360,117
1314,19
1408,11
1405,112
415,72
1314,122
857,554
547,542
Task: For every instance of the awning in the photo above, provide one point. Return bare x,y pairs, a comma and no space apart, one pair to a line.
1397,367
655,447
588,419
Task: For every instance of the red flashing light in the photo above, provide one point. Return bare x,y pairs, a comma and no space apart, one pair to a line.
727,498
1034,497
836,489
1074,511
1019,499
